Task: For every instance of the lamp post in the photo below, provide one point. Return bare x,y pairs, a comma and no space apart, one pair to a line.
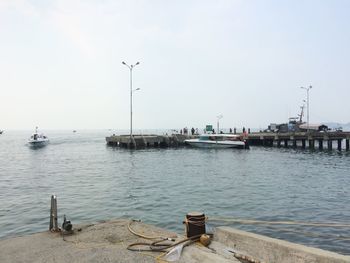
131,91
218,117
308,105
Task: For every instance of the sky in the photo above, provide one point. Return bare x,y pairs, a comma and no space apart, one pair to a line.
61,62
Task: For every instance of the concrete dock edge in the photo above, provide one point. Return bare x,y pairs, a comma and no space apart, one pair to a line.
274,250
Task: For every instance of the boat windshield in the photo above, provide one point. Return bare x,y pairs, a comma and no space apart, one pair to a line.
211,138
219,138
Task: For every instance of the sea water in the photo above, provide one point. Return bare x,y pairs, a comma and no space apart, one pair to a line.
95,182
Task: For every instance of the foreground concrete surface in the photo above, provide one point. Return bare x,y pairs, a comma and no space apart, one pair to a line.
101,242
108,241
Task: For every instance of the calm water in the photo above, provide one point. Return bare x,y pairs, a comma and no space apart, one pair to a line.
159,186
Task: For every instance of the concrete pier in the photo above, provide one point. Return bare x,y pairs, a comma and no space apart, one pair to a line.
270,139
108,242
273,250
264,139
150,140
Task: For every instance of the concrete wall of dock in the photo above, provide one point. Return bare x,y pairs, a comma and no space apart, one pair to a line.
144,141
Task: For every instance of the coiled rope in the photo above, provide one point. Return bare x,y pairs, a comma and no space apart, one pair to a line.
161,244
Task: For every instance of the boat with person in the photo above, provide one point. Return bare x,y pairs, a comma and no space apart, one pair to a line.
38,140
218,141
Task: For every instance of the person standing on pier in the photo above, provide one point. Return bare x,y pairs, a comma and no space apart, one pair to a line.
192,130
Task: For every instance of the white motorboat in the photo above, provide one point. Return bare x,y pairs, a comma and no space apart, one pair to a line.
38,140
218,141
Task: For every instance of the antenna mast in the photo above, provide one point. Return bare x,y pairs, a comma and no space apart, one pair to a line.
301,113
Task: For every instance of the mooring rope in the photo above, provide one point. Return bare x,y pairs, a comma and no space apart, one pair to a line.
307,233
145,236
262,222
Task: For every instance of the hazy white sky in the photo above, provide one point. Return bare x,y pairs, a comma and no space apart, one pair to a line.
60,62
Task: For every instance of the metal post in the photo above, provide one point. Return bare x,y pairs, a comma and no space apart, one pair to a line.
131,101
131,91
53,214
308,105
218,117
308,112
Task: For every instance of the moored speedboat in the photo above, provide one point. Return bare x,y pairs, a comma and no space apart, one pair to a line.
38,140
218,141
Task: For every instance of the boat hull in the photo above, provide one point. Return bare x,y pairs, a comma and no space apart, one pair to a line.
38,143
215,144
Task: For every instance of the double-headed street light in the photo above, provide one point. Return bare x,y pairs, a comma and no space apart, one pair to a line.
131,91
308,105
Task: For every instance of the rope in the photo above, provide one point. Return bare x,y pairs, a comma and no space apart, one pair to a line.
245,258
309,234
158,246
252,222
145,236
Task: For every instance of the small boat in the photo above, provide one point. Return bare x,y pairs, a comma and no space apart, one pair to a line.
218,141
38,140
1,131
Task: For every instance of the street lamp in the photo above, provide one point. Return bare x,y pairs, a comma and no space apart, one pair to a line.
131,91
308,105
218,117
